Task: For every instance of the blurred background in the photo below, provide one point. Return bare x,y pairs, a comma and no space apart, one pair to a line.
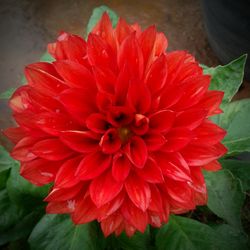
26,26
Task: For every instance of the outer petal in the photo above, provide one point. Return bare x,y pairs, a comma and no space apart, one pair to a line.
60,207
85,211
173,166
63,194
162,120
80,141
42,77
208,133
134,216
40,171
110,224
104,189
74,74
176,139
200,155
212,166
151,172
66,177
51,149
138,191
93,165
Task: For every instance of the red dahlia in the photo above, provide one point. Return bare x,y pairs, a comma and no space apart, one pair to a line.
120,126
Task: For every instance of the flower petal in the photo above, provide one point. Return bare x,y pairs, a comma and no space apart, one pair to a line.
66,177
60,207
212,166
151,172
135,216
173,166
191,118
93,165
201,155
136,151
138,191
97,122
111,223
80,141
85,211
154,141
51,149
176,139
104,189
40,171
75,74
162,120
121,167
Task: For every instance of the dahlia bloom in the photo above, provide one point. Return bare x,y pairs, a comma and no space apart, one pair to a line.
119,126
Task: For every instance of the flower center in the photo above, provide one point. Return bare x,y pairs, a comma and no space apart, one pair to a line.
124,134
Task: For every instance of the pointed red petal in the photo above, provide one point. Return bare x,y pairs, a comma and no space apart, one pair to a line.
161,44
136,151
162,120
157,74
63,194
176,139
110,141
15,134
80,141
121,167
79,104
201,155
134,216
104,189
151,172
111,207
212,166
66,177
191,118
60,207
147,42
156,200
130,53
211,101
208,133
40,171
23,149
173,166
122,30
43,78
97,123
85,211
110,224
138,191
154,141
54,123
51,149
93,165
75,74
100,53
136,90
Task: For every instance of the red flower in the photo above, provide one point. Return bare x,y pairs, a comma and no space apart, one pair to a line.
119,126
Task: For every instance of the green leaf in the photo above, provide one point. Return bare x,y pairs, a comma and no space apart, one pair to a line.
235,120
227,78
46,57
138,241
225,196
22,228
182,233
97,14
23,193
6,162
9,212
230,238
4,175
58,232
240,169
7,94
